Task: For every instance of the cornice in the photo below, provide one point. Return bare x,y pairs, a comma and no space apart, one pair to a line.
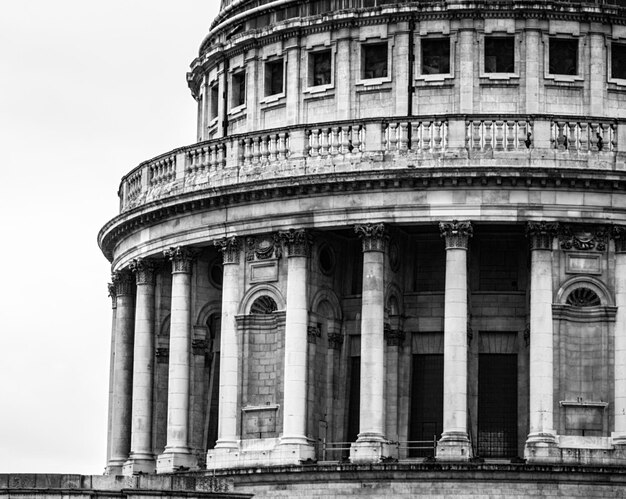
367,181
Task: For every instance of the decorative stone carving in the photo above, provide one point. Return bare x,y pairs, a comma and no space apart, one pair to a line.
123,282
263,247
619,236
394,337
181,258
541,234
335,340
112,294
394,256
313,333
297,241
144,271
162,355
583,238
373,236
456,233
229,246
199,347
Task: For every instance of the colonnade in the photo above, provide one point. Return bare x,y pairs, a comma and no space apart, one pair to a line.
130,448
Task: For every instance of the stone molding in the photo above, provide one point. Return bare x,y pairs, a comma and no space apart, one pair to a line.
335,341
297,241
263,247
618,233
394,337
373,236
182,259
112,294
199,346
144,270
123,282
541,234
229,246
162,354
313,333
456,234
583,238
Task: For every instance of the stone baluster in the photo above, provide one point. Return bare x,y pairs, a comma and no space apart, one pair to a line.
426,128
510,136
371,444
357,130
584,137
315,142
334,141
438,136
488,131
476,135
572,141
404,137
141,458
177,453
499,135
454,444
324,141
122,371
392,136
282,151
541,441
415,136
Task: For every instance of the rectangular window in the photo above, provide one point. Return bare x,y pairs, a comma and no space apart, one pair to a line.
435,56
238,91
499,54
319,7
563,57
374,60
215,92
274,77
320,68
618,60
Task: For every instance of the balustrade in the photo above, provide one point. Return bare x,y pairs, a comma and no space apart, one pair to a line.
337,141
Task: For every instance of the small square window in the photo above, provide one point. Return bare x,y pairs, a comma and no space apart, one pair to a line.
374,60
563,57
435,56
215,93
320,64
499,54
238,93
618,60
274,77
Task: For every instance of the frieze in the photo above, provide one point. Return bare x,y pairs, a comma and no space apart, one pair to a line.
456,234
297,241
263,247
182,259
144,271
541,234
335,340
313,333
229,246
618,233
582,238
373,236
123,282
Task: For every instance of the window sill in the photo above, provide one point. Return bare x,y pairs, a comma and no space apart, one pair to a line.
273,100
372,82
236,110
563,79
616,84
318,89
435,78
500,77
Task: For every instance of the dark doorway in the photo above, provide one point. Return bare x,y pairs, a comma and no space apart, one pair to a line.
497,405
426,402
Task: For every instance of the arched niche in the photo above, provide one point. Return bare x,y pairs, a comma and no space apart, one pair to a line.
259,292
583,292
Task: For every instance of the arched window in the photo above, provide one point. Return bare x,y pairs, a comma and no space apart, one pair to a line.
583,297
263,305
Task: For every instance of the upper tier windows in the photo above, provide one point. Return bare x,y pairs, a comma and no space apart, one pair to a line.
435,56
374,60
563,56
499,54
274,77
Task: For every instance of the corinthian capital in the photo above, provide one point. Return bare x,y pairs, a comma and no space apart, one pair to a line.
112,294
297,241
123,282
541,234
181,259
144,271
456,233
374,236
619,236
229,246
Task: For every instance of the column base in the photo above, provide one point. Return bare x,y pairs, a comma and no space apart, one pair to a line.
293,450
114,467
372,448
542,447
454,446
139,463
250,453
176,459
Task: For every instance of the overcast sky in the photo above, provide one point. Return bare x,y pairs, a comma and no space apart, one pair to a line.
88,90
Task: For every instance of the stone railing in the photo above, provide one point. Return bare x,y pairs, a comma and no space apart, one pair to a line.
377,144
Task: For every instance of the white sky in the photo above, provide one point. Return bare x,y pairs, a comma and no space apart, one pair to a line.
88,90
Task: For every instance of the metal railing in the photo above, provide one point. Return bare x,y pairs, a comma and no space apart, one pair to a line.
340,451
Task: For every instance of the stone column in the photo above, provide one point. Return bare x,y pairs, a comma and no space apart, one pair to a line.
122,372
541,442
454,444
619,435
295,447
227,434
113,297
371,444
141,456
177,455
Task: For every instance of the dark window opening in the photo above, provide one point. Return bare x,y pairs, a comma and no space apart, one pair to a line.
239,89
435,56
374,61
499,54
618,60
563,57
356,282
430,266
499,264
426,423
274,77
319,7
288,13
214,100
320,68
354,401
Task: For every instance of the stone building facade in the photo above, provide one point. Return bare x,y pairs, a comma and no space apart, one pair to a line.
400,235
